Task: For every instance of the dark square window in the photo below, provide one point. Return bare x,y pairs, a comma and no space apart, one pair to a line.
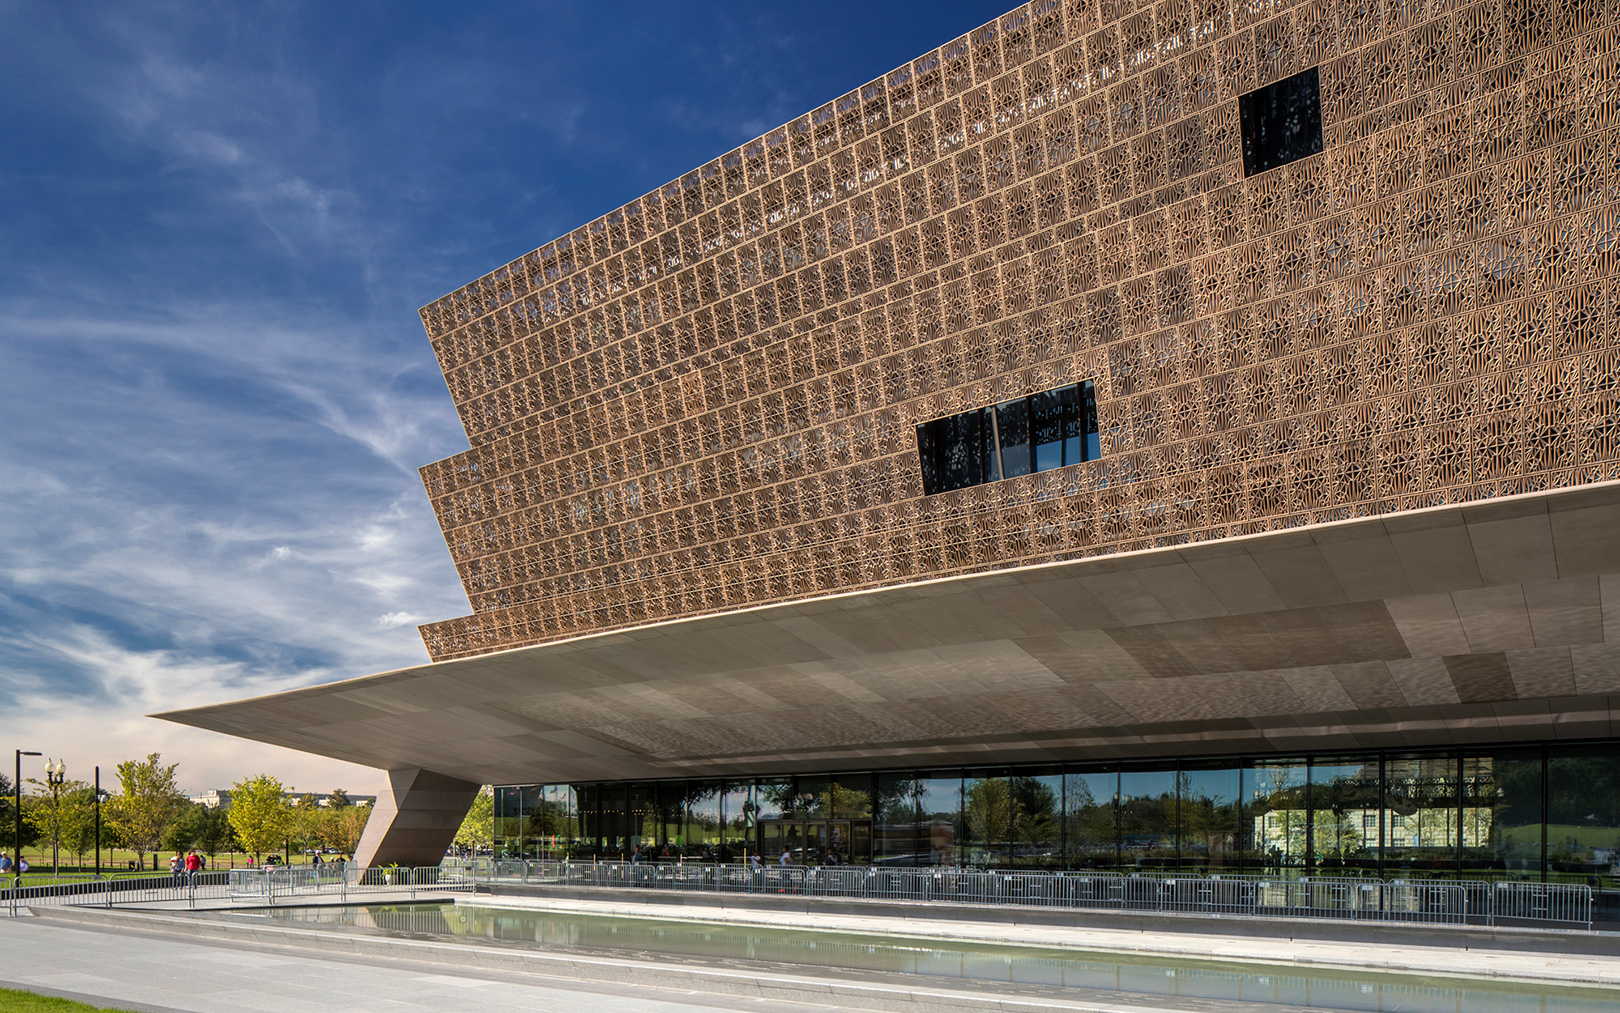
1282,122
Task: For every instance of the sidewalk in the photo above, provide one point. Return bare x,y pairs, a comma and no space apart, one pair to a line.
160,963
1439,959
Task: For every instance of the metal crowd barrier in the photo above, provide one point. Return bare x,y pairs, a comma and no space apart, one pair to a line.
263,886
1252,896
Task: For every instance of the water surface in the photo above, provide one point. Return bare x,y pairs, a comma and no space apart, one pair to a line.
1074,974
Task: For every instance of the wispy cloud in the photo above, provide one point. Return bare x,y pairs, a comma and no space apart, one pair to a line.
216,222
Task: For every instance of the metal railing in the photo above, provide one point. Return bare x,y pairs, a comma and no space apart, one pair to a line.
264,886
1544,905
1252,896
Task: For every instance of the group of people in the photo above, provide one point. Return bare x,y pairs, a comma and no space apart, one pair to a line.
7,866
184,868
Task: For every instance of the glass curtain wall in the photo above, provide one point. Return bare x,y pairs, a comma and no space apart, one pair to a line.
1274,835
775,800
508,828
987,806
1147,819
1524,812
1037,819
1345,815
895,828
1501,807
940,828
1421,836
1583,815
740,837
703,835
1091,818
1207,817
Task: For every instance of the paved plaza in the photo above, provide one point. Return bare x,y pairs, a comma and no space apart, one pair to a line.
149,973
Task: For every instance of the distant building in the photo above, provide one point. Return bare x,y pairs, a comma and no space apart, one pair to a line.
216,797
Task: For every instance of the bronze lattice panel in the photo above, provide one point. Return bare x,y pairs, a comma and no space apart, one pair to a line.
706,400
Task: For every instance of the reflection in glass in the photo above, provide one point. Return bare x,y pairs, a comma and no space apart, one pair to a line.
1339,815
1501,813
1282,122
813,798
1274,816
1091,827
896,838
1054,418
941,804
1421,832
793,842
702,821
958,452
604,808
643,819
740,811
1012,426
553,823
774,797
505,810
988,814
1147,819
1050,429
1207,811
1344,815
1037,819
852,797
1583,815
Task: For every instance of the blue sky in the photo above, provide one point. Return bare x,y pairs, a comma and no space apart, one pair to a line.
217,222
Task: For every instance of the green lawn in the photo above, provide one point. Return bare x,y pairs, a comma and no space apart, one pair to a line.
117,860
12,1001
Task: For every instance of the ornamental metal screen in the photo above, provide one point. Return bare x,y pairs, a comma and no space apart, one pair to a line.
707,399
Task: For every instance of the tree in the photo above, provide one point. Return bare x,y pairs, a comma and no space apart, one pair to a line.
79,821
307,821
478,829
30,833
260,814
343,827
991,811
56,813
149,804
214,833
183,832
338,799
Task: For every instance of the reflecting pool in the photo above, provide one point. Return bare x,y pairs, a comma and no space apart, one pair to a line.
1102,975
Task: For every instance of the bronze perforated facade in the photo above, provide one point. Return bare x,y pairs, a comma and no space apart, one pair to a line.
708,399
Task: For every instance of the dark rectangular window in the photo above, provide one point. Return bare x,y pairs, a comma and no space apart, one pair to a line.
1282,122
1012,427
1052,429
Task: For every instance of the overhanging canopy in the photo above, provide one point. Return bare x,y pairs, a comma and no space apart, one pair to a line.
1491,622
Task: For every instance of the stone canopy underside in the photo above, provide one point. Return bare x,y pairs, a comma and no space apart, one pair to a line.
1485,623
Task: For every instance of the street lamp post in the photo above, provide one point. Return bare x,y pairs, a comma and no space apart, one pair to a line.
55,776
16,839
98,821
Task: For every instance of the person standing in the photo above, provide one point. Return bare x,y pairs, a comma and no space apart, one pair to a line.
193,866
